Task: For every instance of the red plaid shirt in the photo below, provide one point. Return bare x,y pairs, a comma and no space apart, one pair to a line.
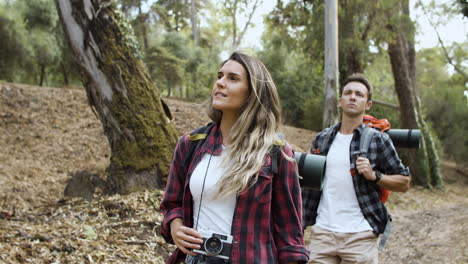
267,224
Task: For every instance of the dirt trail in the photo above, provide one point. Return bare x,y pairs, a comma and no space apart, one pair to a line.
429,236
49,134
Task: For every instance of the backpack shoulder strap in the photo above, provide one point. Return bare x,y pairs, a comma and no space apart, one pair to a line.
274,154
197,137
364,142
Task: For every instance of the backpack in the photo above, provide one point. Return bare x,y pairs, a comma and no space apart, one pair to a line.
381,125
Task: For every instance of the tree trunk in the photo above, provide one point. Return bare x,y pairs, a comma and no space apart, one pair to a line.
42,75
66,80
120,91
424,163
349,53
194,21
143,27
330,108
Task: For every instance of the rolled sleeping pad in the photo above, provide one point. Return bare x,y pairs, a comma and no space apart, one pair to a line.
405,138
312,170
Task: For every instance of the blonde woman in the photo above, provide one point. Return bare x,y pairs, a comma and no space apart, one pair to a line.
236,198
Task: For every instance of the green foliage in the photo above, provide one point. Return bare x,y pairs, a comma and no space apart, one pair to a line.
443,96
30,49
379,73
166,67
174,14
13,51
463,7
40,14
298,80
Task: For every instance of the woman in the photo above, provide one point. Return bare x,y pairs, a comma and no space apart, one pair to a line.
228,188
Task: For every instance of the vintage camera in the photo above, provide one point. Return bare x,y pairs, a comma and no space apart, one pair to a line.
215,245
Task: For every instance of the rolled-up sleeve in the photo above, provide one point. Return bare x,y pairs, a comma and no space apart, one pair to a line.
171,204
287,212
388,158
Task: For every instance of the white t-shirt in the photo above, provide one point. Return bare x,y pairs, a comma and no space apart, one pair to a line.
215,215
339,209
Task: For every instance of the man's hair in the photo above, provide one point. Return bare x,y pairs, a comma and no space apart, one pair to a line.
360,78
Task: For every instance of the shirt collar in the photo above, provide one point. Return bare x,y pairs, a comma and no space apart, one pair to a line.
214,141
359,129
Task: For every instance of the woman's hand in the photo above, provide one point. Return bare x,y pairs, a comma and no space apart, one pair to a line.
185,238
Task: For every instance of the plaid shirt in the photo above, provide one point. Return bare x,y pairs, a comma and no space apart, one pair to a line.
382,156
267,222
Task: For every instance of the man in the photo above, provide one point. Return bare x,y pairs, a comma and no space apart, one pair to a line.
347,215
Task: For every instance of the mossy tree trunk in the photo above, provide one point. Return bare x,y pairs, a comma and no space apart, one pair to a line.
121,93
424,162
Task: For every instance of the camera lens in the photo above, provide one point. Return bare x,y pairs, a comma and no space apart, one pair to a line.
213,246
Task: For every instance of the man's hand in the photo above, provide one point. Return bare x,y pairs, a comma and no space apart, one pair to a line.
363,167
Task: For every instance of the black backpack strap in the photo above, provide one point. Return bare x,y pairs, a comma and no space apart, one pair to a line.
275,154
197,138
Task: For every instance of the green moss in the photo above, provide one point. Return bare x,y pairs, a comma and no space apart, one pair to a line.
147,140
128,34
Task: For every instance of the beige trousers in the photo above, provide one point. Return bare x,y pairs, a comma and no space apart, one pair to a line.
329,247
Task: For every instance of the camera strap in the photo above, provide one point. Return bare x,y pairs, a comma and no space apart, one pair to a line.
203,189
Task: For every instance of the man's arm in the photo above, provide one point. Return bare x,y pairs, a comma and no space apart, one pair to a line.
395,182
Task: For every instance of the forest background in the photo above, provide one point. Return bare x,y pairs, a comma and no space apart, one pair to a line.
51,139
182,45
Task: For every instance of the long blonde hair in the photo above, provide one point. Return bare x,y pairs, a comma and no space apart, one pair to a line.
254,133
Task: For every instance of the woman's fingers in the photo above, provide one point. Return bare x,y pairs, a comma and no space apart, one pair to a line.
187,239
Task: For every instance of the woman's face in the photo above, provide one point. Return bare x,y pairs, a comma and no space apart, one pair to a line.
231,90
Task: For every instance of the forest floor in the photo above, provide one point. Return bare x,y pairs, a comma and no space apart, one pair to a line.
50,136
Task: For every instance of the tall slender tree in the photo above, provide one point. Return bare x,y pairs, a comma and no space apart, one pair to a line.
425,162
330,108
121,93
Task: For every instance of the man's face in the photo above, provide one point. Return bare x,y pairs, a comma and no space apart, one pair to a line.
353,100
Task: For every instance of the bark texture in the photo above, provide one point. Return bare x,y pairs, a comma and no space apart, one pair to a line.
121,93
424,162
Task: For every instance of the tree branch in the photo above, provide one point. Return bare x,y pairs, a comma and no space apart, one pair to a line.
256,4
444,49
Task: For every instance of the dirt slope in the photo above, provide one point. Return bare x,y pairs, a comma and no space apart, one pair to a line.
49,134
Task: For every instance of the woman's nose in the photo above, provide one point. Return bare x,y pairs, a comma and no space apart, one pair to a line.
220,82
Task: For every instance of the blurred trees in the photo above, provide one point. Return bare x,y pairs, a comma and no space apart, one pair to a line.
182,41
446,104
32,44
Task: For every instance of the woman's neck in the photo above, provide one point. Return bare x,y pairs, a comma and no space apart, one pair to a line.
227,121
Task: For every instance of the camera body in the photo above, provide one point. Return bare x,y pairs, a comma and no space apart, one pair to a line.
215,245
